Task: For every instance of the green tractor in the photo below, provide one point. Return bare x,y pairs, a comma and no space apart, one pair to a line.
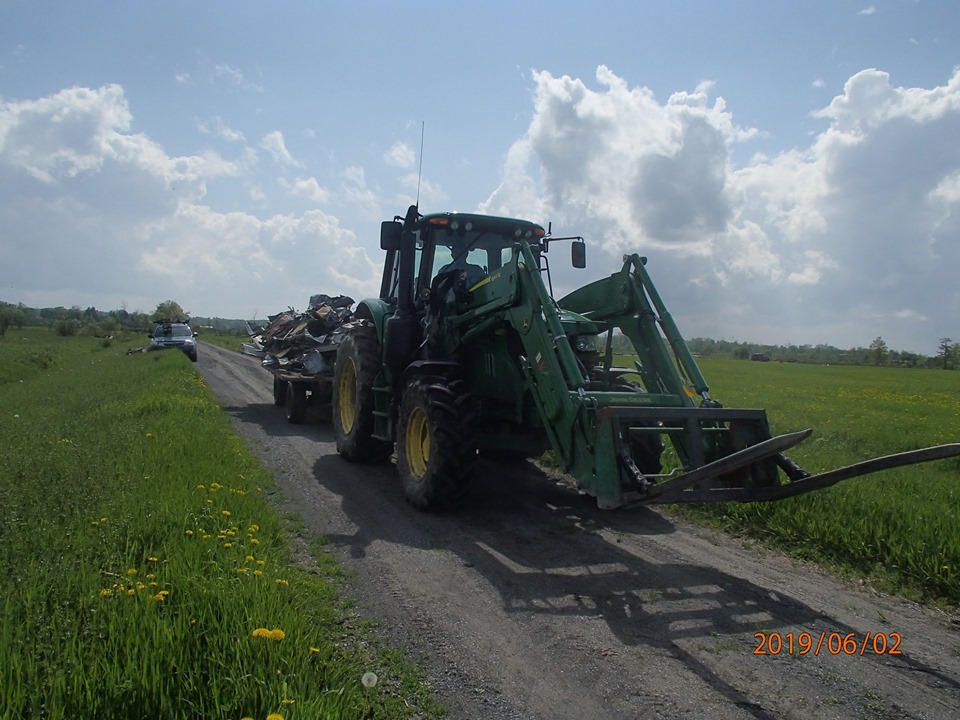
467,353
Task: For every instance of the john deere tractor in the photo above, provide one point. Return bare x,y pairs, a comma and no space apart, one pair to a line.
466,352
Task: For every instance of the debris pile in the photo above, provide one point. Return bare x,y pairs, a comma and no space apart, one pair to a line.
297,342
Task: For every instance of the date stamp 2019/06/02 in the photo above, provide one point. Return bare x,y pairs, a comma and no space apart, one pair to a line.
833,643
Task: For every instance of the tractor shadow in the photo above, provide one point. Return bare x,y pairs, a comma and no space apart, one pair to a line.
550,552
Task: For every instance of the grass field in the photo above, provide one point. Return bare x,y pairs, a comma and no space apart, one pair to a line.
900,528
142,571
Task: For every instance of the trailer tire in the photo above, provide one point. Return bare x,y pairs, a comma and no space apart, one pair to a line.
436,444
279,391
296,403
358,364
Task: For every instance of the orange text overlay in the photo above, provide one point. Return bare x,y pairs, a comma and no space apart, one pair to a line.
827,643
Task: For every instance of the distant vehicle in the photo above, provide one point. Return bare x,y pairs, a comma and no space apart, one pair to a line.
174,334
760,357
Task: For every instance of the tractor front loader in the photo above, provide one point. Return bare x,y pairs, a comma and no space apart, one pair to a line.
466,352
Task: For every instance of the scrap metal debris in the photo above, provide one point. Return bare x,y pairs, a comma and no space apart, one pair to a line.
299,342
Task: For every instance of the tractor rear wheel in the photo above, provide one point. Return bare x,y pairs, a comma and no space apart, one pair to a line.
358,364
436,445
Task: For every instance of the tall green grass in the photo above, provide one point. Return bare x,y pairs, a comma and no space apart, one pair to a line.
900,527
142,572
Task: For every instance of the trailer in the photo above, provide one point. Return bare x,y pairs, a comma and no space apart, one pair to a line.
300,351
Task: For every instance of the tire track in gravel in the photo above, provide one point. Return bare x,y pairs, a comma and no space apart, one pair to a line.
531,603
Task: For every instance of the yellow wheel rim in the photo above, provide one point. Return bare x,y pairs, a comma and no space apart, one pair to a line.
347,394
417,443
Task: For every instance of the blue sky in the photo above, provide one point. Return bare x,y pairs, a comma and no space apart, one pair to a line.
792,170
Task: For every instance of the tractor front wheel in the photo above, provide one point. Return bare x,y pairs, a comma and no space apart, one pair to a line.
436,445
358,364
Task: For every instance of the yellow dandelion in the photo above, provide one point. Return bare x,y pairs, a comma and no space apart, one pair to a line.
151,559
131,572
261,563
261,632
257,573
274,716
199,486
131,592
277,634
225,513
149,576
150,434
228,545
242,571
102,520
282,583
253,528
254,541
315,651
106,592
249,558
189,533
287,702
215,486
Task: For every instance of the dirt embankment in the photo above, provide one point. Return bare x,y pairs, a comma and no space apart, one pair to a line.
531,603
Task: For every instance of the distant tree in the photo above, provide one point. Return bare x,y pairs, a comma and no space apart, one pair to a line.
878,351
946,350
168,309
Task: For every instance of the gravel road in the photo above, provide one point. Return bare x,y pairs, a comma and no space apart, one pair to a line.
531,603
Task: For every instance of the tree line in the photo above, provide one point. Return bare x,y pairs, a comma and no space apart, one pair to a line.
102,323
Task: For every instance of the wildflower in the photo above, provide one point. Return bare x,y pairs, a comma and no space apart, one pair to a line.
242,571
287,702
161,596
106,592
315,650
261,563
277,634
253,528
150,434
151,559
131,572
261,633
254,541
257,573
189,533
369,679
274,716
282,583
225,513
228,545
249,558
215,486
199,486
103,521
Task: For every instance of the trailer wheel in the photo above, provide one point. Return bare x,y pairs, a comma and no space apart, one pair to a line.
358,364
279,391
436,445
296,403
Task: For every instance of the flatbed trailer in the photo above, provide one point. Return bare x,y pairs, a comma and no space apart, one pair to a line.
296,389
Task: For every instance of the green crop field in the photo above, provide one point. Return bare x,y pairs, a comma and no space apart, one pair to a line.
901,527
143,574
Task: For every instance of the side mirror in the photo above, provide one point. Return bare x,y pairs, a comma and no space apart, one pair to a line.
578,254
390,235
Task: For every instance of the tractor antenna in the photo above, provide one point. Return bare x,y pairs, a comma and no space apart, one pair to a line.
420,169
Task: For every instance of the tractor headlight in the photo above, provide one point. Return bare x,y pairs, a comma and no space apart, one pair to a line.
584,343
